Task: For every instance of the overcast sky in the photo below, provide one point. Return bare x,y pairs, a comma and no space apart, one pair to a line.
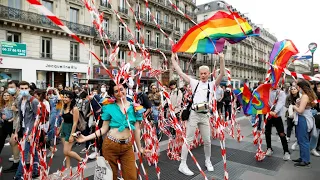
286,19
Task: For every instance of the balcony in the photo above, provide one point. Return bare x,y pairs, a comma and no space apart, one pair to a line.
148,21
123,10
30,18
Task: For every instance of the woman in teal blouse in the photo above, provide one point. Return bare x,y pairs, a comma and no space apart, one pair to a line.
117,144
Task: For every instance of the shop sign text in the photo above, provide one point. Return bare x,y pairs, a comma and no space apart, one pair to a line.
13,49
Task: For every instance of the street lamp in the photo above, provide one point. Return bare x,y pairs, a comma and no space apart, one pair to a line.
312,48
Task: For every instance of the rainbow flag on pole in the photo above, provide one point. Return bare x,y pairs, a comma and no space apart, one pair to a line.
281,53
220,27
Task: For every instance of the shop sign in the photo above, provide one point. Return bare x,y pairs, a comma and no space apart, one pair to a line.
13,49
61,66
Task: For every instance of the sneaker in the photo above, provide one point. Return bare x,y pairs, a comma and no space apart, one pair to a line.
209,166
315,153
13,168
297,160
269,152
183,168
302,164
83,151
7,144
294,146
92,155
288,139
286,156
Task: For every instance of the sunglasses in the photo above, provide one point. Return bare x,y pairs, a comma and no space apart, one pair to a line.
116,91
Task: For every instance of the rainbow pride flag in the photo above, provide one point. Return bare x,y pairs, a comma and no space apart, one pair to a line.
259,101
243,95
281,53
220,27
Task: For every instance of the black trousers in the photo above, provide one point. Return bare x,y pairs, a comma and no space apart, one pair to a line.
6,129
277,122
227,109
290,125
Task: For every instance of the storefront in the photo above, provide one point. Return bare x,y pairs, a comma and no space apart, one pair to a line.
43,72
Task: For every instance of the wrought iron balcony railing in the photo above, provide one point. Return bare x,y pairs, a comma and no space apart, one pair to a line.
30,18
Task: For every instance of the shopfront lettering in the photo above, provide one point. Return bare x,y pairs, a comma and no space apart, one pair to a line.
61,66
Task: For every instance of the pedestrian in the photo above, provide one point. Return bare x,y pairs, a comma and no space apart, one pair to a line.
277,100
176,100
220,96
290,102
28,110
6,117
14,91
117,144
70,115
304,122
54,118
199,118
227,100
155,98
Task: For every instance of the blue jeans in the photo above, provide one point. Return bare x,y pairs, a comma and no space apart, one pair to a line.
19,172
303,138
155,113
314,140
52,122
253,120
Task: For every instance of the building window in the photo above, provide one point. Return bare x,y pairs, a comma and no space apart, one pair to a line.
148,34
48,5
104,54
158,17
122,4
157,40
205,59
185,27
74,51
121,56
165,18
74,15
105,25
138,7
46,48
137,35
121,32
14,4
148,14
13,37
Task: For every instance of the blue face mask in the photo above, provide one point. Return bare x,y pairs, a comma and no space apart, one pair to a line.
12,91
24,92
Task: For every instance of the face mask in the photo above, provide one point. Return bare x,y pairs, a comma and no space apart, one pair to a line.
94,93
24,92
103,90
12,91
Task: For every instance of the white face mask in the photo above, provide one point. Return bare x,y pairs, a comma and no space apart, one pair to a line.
94,93
103,90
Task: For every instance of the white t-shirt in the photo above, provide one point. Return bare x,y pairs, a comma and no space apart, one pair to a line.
200,95
219,92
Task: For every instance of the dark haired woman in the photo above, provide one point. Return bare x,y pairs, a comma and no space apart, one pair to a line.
70,115
117,117
290,102
304,122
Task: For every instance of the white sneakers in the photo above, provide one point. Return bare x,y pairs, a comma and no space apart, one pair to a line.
209,166
315,153
183,168
92,155
269,152
286,156
294,146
